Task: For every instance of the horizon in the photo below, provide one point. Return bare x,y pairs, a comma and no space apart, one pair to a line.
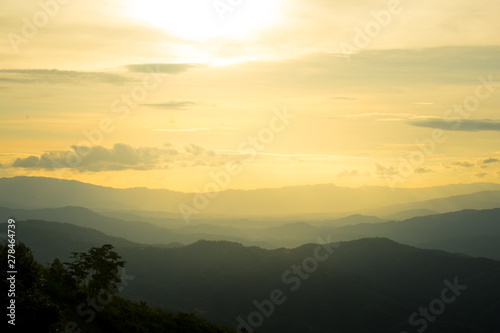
260,188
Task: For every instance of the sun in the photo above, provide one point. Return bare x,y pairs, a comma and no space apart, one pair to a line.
202,20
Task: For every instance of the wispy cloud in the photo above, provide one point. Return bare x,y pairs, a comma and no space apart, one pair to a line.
172,105
194,129
462,125
55,76
386,114
160,68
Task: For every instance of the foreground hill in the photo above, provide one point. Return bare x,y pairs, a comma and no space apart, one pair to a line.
51,299
369,285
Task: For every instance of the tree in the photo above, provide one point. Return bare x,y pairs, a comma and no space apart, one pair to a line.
59,282
96,269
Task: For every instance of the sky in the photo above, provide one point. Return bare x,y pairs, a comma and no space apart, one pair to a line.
170,94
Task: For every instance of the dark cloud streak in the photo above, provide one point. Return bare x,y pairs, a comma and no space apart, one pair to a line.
55,76
172,105
160,68
459,125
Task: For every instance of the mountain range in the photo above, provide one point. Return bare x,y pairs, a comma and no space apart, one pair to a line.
315,259
471,232
36,192
367,285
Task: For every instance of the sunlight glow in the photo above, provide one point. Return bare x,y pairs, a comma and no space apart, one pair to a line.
200,21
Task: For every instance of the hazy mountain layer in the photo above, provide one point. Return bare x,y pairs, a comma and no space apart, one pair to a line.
34,192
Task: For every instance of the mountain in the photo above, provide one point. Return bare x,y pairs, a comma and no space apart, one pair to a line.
455,232
138,231
478,200
484,245
471,232
431,227
51,240
408,214
36,192
142,232
353,219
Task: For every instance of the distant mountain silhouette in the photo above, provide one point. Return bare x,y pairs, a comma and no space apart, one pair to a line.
353,219
431,229
479,200
408,214
139,231
456,232
50,240
32,192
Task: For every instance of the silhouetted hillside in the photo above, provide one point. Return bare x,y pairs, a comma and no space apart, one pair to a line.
369,285
53,299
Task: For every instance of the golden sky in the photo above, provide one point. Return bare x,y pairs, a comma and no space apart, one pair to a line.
165,94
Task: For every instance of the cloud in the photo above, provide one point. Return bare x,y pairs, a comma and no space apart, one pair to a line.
197,150
98,158
481,175
463,164
422,170
459,125
382,171
122,157
173,105
28,162
160,68
55,76
491,160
